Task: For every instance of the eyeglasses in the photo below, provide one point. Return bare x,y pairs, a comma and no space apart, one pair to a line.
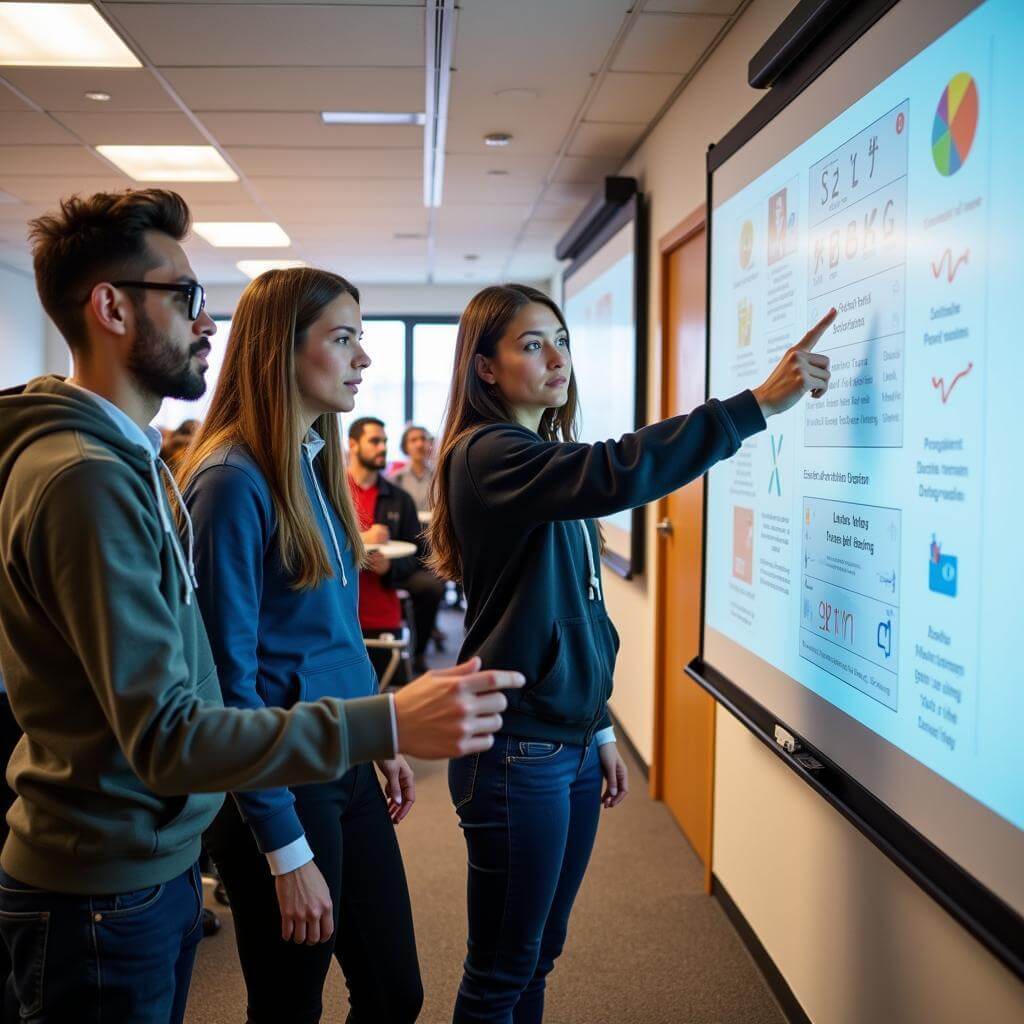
196,293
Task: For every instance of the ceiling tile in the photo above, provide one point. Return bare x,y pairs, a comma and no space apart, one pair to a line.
65,88
287,161
48,191
30,128
667,42
631,98
133,129
597,138
586,170
289,129
556,71
50,161
692,6
10,100
294,213
328,194
299,89
274,35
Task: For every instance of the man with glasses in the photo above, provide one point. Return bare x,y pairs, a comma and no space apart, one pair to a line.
128,747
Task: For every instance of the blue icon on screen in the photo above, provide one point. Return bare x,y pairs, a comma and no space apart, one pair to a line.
942,570
883,637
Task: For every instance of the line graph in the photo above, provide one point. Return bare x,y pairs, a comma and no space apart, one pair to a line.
946,260
940,385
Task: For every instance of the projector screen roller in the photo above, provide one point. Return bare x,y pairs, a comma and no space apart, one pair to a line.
863,580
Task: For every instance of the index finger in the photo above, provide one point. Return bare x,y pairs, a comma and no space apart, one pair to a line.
484,682
810,339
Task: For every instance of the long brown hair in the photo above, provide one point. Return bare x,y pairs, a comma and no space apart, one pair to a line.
473,403
256,404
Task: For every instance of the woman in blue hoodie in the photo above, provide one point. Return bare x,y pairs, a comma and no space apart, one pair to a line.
314,871
514,507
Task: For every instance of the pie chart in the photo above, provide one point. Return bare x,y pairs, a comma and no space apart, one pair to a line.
956,120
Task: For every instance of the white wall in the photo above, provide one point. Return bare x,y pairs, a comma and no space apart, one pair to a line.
855,939
23,329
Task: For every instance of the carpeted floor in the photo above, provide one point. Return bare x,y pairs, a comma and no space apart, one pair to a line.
646,946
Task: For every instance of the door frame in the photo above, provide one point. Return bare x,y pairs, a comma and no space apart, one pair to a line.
667,244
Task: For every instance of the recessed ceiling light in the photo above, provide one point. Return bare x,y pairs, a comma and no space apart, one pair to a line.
236,234
98,97
497,139
169,163
253,268
495,172
369,117
60,36
472,257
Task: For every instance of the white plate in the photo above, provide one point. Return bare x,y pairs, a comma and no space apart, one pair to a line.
394,549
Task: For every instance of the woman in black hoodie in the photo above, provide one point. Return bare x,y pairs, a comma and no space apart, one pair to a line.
515,502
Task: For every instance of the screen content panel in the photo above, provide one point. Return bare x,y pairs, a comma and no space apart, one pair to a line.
599,308
865,547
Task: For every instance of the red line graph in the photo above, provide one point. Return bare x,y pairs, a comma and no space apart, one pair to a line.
951,268
939,383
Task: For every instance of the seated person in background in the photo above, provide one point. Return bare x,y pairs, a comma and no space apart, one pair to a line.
417,475
177,440
386,513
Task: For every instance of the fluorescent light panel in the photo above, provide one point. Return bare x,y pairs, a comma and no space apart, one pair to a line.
169,163
253,268
60,36
369,117
232,234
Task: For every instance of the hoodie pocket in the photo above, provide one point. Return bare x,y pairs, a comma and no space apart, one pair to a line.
580,677
337,679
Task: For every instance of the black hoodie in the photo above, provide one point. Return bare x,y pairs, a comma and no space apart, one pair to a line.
533,591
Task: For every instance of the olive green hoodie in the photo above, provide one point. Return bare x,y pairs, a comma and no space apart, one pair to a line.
109,670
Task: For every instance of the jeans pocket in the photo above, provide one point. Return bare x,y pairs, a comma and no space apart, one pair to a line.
462,773
25,933
535,752
135,902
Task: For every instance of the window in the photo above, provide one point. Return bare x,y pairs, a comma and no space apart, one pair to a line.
433,347
173,412
382,393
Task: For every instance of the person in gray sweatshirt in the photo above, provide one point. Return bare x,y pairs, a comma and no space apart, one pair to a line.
128,748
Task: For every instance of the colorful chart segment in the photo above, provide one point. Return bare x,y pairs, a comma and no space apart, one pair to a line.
956,121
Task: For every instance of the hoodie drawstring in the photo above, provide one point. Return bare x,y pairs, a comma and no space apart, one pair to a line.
327,517
188,568
594,582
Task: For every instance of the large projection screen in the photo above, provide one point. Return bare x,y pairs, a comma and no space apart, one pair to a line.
863,575
601,308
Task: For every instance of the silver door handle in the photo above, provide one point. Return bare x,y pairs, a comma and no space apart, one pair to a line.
665,528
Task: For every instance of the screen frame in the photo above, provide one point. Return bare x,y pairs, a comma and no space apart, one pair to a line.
634,209
988,918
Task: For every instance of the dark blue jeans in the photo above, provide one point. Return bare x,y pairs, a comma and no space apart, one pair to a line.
529,813
124,959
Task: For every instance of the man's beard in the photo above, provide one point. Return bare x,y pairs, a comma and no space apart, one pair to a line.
374,464
159,367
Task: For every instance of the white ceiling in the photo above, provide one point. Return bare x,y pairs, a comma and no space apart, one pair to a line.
575,82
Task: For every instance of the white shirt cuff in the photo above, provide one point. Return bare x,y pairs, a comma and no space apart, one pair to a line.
289,857
605,736
394,724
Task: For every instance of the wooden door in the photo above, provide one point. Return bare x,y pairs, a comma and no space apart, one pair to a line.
685,723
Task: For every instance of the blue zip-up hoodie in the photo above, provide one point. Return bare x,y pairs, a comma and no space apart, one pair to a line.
273,645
